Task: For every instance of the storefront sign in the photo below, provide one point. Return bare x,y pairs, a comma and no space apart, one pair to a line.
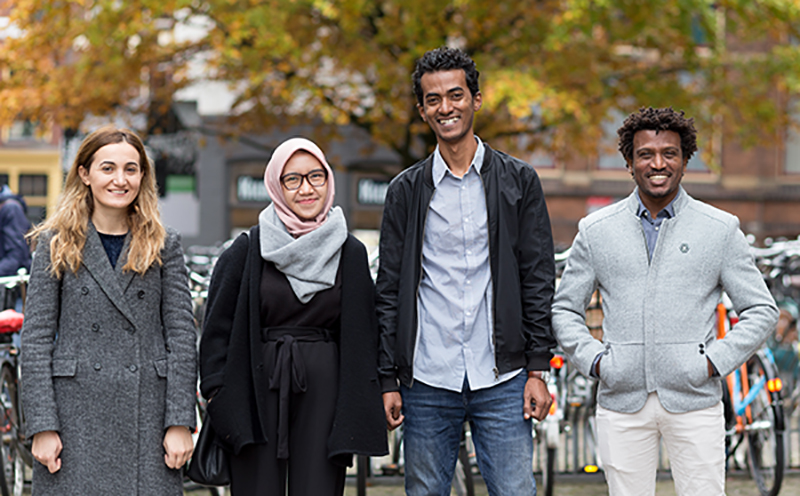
372,191
251,189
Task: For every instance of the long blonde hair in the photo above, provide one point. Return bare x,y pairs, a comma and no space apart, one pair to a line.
70,221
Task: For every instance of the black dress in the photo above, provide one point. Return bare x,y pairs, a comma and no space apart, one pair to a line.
300,364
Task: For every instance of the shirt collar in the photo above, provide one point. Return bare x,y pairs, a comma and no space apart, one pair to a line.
440,168
668,211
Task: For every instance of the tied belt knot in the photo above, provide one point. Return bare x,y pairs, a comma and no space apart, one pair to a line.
289,372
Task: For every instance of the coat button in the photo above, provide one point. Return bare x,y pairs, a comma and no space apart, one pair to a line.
140,294
702,346
128,329
167,348
132,368
97,366
84,291
702,352
95,327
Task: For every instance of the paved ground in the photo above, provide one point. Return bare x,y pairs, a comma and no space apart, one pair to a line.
593,486
571,486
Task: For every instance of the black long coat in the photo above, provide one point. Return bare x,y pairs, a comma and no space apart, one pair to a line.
230,354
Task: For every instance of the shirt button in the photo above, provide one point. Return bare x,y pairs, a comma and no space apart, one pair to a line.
97,366
656,228
469,252
132,368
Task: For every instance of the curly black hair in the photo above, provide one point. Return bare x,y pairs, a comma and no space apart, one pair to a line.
661,119
445,59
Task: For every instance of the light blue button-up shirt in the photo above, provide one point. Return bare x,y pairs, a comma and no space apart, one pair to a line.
454,335
650,225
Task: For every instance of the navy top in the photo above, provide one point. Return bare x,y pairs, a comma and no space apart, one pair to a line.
113,244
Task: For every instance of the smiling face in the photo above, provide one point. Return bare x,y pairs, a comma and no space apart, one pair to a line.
657,167
448,106
114,176
307,201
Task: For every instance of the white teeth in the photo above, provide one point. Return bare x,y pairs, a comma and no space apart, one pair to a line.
658,178
448,121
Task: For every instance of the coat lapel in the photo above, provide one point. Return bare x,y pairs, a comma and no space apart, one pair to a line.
124,278
110,280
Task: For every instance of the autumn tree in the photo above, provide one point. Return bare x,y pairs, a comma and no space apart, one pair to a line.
552,71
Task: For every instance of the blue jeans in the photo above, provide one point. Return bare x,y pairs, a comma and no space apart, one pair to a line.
502,437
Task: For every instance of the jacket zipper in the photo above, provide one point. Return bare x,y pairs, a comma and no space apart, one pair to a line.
419,283
491,271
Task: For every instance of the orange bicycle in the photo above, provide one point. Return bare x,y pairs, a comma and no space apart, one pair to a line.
754,414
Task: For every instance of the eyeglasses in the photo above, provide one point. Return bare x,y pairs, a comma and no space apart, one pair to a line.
293,180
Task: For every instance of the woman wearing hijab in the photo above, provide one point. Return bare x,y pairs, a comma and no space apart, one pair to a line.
109,368
289,350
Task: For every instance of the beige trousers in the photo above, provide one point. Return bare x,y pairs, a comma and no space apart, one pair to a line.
695,443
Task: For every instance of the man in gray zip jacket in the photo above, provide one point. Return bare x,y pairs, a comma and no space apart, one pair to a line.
661,260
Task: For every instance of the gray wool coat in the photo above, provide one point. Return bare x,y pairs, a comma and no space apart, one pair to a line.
659,322
108,361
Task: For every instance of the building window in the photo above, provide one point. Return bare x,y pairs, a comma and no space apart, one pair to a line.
609,156
22,131
33,184
792,152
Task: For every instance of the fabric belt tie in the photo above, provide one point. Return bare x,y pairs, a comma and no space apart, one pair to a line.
289,373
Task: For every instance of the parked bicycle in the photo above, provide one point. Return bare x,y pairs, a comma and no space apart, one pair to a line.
754,414
15,450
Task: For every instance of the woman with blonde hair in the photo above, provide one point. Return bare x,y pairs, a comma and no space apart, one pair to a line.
108,344
288,357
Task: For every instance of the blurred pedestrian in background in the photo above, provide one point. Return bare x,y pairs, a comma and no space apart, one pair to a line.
14,251
289,349
108,344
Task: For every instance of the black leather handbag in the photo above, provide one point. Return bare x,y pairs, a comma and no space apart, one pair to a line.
209,463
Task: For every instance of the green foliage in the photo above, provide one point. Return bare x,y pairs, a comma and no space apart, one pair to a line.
550,69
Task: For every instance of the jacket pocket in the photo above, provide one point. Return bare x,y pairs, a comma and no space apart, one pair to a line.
622,367
65,367
681,366
161,367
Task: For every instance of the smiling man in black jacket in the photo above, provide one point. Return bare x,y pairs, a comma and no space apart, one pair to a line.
464,291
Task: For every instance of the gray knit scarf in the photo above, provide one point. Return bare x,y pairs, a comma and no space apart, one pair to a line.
309,262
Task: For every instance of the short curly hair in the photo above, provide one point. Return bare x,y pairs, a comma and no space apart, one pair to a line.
660,119
445,59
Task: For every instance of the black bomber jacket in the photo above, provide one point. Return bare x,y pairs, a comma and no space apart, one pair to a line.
521,259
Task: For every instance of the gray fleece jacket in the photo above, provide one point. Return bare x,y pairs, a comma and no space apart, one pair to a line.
659,315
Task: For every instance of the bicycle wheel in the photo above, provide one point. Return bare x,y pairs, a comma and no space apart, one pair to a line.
12,462
765,454
549,472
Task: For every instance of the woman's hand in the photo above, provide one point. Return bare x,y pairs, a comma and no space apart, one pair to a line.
178,445
46,449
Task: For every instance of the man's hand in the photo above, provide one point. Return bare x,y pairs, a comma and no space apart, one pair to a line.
178,446
392,405
46,449
537,399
